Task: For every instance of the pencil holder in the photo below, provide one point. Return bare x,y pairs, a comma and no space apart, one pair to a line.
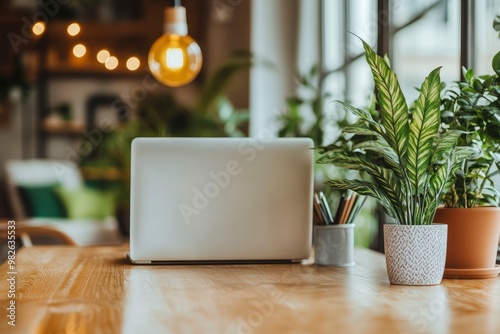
334,245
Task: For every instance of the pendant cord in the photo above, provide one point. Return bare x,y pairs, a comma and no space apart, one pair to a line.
177,3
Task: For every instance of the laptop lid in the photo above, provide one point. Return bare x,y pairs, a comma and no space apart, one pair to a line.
221,199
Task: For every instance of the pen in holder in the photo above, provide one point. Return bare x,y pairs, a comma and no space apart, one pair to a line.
334,245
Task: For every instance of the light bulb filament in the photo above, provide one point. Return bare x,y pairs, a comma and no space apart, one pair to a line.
175,58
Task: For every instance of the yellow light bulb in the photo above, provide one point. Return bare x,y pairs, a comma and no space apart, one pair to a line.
175,59
38,28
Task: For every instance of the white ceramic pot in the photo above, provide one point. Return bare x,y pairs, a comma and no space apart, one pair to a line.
415,254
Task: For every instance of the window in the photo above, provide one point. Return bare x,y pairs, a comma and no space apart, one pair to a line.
422,35
418,36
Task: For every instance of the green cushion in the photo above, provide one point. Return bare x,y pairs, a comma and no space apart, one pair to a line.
87,203
41,201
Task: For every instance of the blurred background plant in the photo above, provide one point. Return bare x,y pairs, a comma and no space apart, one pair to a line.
473,106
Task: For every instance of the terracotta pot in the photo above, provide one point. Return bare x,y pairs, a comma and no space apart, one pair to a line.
415,254
472,236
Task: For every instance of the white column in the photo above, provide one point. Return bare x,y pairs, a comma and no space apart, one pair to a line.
273,38
284,32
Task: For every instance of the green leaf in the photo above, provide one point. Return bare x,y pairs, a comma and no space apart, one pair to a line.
438,181
364,115
444,144
394,110
363,188
441,180
377,145
387,182
495,63
423,130
464,152
496,23
381,147
468,74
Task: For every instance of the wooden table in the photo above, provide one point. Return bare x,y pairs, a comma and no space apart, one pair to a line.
95,290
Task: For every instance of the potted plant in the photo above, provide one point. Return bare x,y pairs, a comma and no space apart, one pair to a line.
411,163
471,210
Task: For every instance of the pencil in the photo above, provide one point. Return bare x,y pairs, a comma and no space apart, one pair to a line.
345,210
320,210
359,205
340,208
348,208
323,199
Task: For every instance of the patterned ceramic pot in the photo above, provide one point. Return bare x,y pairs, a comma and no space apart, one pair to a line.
415,254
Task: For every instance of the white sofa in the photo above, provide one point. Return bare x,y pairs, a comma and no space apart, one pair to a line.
36,172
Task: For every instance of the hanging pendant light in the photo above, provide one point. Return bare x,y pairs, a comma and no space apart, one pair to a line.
175,58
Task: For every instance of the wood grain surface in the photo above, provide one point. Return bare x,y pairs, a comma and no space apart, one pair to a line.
95,290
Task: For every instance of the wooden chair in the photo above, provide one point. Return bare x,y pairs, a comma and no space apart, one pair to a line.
24,232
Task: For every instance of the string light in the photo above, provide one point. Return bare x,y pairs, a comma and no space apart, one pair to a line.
103,55
133,63
38,28
79,50
73,29
111,63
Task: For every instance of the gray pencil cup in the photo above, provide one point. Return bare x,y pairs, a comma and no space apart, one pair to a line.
334,245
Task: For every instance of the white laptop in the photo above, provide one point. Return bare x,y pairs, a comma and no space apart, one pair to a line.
221,199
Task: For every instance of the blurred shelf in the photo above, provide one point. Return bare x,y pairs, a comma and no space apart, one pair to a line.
63,127
82,73
102,173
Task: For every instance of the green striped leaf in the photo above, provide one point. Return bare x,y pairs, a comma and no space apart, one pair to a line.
438,181
363,188
423,127
441,179
356,111
387,182
465,152
444,144
378,145
381,147
393,108
365,115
